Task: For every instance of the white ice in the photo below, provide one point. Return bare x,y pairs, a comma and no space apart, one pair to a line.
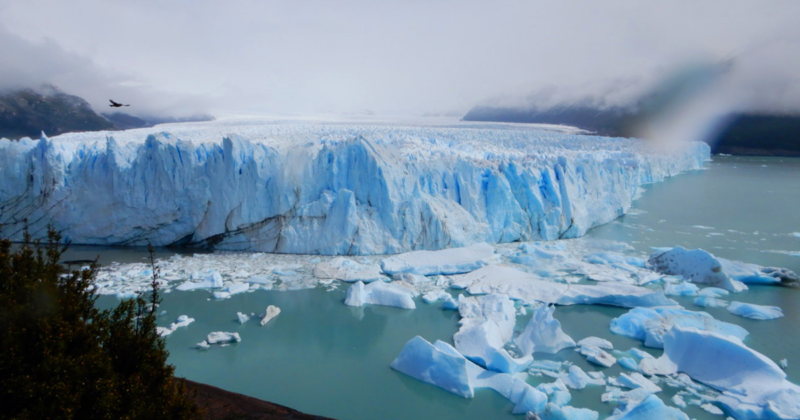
182,321
598,342
649,325
270,314
753,311
345,269
446,261
221,337
696,265
530,287
486,325
379,293
752,386
543,333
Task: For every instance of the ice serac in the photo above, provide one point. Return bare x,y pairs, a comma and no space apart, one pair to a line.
752,386
325,188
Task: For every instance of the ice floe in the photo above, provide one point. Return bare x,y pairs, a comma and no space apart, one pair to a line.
182,321
270,314
446,261
753,311
752,386
649,325
379,293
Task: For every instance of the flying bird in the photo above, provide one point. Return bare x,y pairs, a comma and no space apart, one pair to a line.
116,104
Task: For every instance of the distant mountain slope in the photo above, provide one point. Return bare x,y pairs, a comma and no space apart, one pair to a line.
28,112
746,134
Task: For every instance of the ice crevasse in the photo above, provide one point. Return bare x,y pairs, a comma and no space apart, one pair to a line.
325,189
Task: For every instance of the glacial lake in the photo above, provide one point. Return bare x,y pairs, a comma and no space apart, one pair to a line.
322,357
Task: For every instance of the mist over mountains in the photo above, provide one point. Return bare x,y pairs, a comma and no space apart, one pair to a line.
28,112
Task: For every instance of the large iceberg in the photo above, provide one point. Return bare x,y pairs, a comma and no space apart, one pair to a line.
701,266
530,287
316,188
651,324
752,386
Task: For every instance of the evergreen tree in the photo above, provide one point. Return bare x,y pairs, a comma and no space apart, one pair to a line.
61,357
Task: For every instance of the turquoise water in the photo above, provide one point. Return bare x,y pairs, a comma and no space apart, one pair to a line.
322,357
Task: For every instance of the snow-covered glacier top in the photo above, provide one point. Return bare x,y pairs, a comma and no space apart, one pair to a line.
326,188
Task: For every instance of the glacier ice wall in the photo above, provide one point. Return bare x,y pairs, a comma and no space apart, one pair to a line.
325,189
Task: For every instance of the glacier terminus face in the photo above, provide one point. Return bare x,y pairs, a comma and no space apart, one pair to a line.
334,189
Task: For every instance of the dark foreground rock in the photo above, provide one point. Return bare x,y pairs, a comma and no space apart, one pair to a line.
218,404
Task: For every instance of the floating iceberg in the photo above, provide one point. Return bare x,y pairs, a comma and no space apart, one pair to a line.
597,356
446,261
271,312
379,293
752,386
753,311
442,365
221,337
487,323
533,288
543,333
210,279
650,324
182,321
422,360
598,342
697,265
325,188
345,269
647,407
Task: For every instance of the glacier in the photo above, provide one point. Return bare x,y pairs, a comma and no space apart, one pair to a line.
325,188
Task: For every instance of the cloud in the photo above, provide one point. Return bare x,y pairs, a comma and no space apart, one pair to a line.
405,56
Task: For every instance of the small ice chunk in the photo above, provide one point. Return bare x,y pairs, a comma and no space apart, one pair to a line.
713,409
678,401
710,302
753,311
435,295
633,381
640,354
543,333
597,356
379,293
628,363
220,337
555,412
203,345
644,406
578,379
243,318
713,292
784,363
598,342
681,289
182,321
209,279
446,261
272,312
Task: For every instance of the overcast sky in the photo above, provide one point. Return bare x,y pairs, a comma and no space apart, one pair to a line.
391,57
